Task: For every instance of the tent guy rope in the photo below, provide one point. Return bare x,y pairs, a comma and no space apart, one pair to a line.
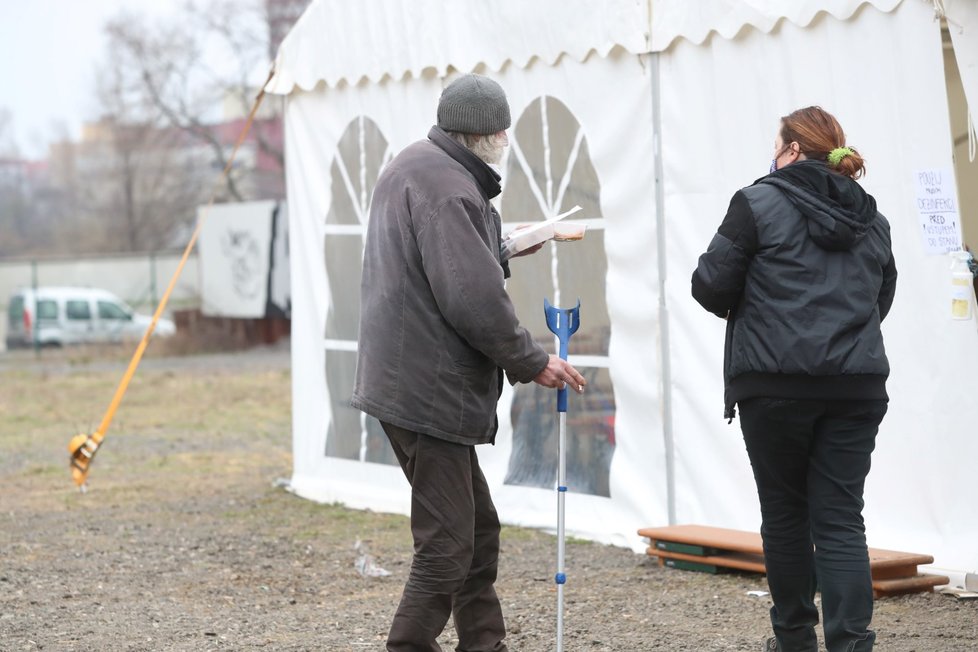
84,446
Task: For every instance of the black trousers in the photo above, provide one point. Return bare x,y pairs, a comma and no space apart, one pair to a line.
810,460
456,549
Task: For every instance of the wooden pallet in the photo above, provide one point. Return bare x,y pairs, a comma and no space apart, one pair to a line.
710,549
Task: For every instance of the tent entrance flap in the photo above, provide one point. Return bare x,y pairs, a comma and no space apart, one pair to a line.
962,134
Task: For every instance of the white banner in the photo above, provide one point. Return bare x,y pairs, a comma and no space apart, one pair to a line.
937,208
234,253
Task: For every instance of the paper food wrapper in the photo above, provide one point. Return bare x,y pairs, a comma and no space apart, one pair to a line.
523,238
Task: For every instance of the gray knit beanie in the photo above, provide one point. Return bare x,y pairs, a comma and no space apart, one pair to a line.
473,104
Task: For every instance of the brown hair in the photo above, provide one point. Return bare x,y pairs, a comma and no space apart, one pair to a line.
817,133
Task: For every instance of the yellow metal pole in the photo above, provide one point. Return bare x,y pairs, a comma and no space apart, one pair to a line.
84,446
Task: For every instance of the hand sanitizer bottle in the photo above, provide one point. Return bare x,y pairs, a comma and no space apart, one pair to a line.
962,290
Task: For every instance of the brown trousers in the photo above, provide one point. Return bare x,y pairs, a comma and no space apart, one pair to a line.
456,549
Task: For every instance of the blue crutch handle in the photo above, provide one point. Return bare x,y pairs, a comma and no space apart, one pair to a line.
562,322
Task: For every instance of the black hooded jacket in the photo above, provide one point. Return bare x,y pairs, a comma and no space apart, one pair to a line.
803,271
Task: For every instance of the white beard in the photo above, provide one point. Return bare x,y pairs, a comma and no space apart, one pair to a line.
489,149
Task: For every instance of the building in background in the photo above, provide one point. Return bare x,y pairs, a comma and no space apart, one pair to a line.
281,16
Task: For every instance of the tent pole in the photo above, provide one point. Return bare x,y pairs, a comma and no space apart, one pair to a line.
660,230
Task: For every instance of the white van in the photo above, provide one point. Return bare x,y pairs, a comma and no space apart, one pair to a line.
57,316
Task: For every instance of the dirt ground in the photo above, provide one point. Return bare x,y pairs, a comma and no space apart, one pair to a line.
186,539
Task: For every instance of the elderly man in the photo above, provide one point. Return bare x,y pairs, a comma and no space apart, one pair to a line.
437,333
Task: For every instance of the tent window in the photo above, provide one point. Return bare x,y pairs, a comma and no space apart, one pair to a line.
965,169
590,437
362,152
549,171
350,434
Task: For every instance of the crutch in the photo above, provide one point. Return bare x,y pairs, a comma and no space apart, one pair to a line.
563,322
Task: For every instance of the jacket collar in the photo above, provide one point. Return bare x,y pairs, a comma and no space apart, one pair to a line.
487,178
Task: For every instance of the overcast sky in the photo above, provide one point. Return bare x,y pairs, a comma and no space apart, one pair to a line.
48,53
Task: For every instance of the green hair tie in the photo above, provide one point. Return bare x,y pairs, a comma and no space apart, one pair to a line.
836,155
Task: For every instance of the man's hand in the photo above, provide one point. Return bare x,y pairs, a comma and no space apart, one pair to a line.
532,250
526,252
559,372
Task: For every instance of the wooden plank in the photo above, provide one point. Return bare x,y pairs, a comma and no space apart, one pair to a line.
900,586
886,558
748,562
707,549
708,537
739,560
892,572
755,563
885,564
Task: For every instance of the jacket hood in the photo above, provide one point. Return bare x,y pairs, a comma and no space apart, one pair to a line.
838,210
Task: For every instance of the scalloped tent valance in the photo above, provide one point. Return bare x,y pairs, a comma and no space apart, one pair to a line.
338,42
695,20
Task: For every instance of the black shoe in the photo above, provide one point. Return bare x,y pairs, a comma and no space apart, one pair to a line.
771,645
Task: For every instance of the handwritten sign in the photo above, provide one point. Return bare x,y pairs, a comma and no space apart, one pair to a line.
937,205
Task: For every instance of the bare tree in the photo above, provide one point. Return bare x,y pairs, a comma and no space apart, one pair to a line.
137,180
244,31
15,211
167,60
156,152
159,147
24,213
8,144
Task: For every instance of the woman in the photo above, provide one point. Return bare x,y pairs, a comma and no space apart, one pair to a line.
802,270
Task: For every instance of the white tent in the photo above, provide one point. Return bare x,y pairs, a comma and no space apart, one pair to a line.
648,114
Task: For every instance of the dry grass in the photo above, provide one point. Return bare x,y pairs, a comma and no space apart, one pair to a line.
184,542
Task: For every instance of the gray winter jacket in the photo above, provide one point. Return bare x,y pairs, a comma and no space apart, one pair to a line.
803,266
436,324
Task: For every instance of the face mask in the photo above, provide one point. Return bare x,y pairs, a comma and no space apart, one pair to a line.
774,161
